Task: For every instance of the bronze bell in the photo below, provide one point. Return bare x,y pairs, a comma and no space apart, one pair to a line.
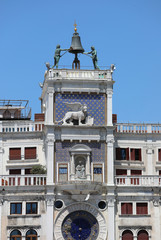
76,46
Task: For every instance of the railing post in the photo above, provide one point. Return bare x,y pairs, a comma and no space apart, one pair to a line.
149,128
22,181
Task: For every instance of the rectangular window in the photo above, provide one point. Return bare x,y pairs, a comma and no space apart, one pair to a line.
141,208
135,180
135,154
16,208
136,172
97,170
126,208
15,172
15,154
27,171
30,152
159,154
122,172
97,173
122,153
63,170
31,208
159,176
63,173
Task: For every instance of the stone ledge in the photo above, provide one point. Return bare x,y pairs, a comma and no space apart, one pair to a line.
134,216
24,216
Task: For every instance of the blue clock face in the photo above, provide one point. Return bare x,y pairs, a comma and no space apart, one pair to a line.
80,225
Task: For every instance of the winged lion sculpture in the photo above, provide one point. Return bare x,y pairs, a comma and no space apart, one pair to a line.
78,112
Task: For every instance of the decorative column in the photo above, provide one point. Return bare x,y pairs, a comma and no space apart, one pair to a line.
1,203
110,159
88,167
109,107
50,106
50,159
72,168
111,218
150,153
157,221
1,158
50,198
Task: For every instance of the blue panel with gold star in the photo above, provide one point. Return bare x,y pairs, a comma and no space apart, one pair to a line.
63,155
95,105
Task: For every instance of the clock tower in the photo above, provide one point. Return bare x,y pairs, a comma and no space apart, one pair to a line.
79,142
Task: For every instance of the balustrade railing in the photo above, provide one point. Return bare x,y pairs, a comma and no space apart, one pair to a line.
25,180
138,128
40,180
21,126
78,74
138,180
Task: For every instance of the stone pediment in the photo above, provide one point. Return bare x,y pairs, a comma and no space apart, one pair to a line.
80,148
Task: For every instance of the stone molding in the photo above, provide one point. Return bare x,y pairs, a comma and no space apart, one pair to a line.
23,229
135,230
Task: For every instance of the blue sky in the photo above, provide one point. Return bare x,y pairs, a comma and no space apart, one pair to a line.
124,32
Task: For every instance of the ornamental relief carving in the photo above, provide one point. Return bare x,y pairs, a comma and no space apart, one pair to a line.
78,113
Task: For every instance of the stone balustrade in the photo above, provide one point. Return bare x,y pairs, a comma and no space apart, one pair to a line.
22,180
138,128
138,180
21,126
79,74
39,180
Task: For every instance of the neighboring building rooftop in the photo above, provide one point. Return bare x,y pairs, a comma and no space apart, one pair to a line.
15,109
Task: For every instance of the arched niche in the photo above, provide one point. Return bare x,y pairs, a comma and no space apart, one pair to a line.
80,168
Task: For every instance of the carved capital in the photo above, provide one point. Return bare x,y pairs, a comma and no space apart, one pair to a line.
110,140
50,200
50,90
149,150
1,202
1,150
111,201
109,93
156,202
50,140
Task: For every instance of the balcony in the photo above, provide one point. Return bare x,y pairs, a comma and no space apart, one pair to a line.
25,180
146,181
138,128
